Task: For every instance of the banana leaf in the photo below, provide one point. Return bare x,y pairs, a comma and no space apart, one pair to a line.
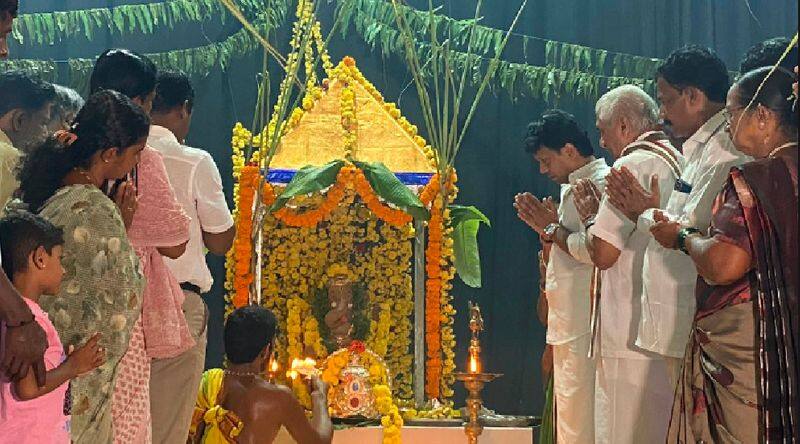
465,222
308,180
388,186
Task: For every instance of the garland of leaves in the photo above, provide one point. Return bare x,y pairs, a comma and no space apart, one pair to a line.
561,55
49,28
518,79
571,70
193,61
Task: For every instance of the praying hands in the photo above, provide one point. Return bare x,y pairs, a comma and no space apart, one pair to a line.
627,194
587,200
538,214
665,231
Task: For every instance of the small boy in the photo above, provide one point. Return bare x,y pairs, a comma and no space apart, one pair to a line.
31,250
248,409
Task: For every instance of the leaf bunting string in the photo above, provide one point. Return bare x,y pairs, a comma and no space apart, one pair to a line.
571,70
49,28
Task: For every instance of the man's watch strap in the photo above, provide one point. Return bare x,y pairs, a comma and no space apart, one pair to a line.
550,231
683,233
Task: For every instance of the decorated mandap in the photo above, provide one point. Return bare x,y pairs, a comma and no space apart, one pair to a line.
353,244
347,230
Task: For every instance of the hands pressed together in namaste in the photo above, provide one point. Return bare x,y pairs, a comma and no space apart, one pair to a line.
623,191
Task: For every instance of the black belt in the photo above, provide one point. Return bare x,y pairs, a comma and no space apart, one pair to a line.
188,286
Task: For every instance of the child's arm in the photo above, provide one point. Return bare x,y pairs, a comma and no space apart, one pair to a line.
81,361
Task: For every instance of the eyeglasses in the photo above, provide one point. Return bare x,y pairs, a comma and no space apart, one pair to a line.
726,113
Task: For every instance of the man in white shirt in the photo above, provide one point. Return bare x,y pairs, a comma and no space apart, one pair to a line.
633,397
564,153
25,105
198,186
692,84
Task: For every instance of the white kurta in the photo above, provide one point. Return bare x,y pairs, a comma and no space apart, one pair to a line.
633,397
567,290
670,276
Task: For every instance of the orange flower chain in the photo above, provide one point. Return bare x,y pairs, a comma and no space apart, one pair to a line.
242,250
349,177
435,281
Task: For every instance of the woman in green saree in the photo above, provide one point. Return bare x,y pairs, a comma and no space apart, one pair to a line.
102,284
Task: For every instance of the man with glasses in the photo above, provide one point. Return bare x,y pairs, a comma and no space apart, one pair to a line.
692,84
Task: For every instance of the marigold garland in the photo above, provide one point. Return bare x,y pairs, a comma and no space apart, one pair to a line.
349,177
242,249
391,419
288,273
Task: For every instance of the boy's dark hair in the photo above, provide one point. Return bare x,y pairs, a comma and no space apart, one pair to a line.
124,71
173,89
767,53
555,129
9,7
21,233
697,67
247,331
20,90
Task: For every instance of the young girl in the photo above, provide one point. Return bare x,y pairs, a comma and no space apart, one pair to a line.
31,253
102,289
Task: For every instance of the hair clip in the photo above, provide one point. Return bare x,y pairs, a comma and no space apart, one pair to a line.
65,138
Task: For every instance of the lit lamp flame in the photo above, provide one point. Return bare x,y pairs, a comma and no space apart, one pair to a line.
473,364
306,367
273,367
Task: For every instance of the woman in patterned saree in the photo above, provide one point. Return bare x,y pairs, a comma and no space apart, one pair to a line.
102,283
739,380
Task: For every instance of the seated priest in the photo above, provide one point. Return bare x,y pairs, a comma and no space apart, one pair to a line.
237,406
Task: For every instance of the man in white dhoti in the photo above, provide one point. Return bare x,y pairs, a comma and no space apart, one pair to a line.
564,153
692,84
633,398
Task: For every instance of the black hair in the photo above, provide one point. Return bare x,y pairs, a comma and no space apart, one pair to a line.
555,129
125,71
774,94
108,120
173,89
9,7
22,233
20,90
698,67
767,53
247,331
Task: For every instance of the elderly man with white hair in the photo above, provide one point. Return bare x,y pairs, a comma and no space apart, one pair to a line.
692,84
633,396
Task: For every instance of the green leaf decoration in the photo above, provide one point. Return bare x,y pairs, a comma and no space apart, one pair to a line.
308,180
48,28
389,188
596,70
466,222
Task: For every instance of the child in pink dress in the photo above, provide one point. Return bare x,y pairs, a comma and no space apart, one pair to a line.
31,256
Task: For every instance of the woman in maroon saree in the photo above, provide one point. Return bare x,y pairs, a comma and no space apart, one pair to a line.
739,381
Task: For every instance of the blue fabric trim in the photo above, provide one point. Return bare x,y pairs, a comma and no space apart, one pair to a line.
285,176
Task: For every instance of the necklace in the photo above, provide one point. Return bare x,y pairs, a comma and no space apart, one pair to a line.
785,145
234,373
85,174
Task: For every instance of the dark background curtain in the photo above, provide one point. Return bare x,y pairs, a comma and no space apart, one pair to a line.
492,164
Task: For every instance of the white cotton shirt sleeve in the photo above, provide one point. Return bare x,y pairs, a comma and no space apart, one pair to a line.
212,209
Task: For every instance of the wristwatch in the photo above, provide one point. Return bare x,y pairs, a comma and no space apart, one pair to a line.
683,233
550,231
